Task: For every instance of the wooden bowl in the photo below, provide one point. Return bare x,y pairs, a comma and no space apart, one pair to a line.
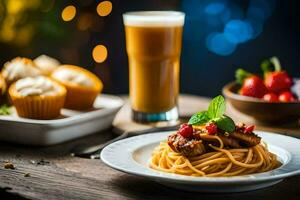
261,111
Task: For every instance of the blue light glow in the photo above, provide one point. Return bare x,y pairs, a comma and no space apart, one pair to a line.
238,31
218,43
214,8
216,12
238,22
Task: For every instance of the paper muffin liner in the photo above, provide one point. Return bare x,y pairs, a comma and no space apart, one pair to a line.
80,97
38,107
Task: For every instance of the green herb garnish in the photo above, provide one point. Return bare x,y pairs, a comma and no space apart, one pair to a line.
199,118
241,75
270,65
216,107
215,113
225,123
5,110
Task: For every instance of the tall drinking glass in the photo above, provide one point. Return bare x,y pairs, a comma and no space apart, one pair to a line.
153,44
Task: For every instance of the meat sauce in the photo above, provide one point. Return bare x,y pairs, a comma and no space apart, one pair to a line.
197,145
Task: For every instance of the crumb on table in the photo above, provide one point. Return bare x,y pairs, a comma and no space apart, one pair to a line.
9,165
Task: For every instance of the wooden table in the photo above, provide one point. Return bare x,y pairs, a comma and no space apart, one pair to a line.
51,173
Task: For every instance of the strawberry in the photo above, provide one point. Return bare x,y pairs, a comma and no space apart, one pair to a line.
252,86
276,81
271,97
286,96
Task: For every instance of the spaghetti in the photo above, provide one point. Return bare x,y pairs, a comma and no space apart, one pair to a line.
218,162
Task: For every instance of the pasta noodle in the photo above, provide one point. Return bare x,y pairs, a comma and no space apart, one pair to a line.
220,162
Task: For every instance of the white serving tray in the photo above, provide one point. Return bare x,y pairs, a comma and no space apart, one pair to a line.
72,124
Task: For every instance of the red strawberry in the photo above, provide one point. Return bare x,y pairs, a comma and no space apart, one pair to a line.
278,81
253,86
286,96
270,97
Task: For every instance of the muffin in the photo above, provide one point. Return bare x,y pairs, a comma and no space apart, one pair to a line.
19,68
82,86
46,64
2,85
37,97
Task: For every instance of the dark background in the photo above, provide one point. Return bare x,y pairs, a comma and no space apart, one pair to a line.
37,28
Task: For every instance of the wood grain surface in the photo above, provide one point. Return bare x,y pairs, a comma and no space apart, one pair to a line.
51,173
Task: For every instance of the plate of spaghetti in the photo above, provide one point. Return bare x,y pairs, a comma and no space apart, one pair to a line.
210,153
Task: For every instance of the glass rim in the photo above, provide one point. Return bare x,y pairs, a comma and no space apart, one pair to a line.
154,18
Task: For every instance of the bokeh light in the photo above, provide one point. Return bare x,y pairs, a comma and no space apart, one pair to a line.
214,8
104,8
239,25
13,7
15,27
238,31
215,12
99,53
219,44
68,13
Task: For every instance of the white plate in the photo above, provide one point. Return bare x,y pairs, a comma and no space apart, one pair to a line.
131,155
72,124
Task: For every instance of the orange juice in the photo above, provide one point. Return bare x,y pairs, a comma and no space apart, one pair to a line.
153,46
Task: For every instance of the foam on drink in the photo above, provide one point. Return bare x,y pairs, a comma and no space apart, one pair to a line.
154,18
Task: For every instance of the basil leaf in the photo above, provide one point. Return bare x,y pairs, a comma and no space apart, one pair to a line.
4,110
225,123
216,107
199,118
